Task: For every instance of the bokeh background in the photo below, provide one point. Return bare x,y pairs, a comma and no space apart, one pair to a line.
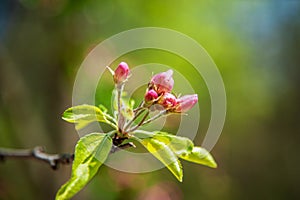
255,44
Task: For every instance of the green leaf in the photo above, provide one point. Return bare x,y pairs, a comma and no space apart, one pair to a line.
141,134
83,115
90,152
163,153
201,156
179,145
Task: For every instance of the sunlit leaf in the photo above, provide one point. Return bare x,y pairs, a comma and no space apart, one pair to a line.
163,153
143,134
90,153
201,156
83,115
103,108
180,145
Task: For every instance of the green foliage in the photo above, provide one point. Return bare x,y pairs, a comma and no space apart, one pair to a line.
90,153
184,148
83,115
180,145
167,147
201,156
165,154
93,149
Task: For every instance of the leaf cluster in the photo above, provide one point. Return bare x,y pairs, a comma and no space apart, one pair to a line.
93,149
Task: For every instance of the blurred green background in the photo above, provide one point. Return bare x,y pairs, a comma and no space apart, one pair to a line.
255,44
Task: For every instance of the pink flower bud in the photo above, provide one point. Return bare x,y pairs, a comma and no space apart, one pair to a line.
151,95
121,73
186,102
168,100
163,82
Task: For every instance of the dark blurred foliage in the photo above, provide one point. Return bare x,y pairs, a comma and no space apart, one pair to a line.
255,44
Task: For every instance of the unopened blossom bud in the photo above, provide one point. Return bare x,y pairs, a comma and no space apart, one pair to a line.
151,95
168,100
121,73
186,102
163,82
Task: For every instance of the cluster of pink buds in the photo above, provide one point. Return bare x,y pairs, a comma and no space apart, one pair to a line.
159,92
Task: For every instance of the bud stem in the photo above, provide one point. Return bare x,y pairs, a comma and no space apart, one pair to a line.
140,107
140,123
160,114
137,114
121,118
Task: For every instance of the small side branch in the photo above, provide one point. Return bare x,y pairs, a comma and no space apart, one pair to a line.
38,153
54,160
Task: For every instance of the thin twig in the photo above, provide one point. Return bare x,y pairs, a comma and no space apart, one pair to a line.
121,118
160,114
140,123
37,153
141,106
54,160
133,119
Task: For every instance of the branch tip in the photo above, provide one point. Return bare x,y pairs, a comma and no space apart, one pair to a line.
38,153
